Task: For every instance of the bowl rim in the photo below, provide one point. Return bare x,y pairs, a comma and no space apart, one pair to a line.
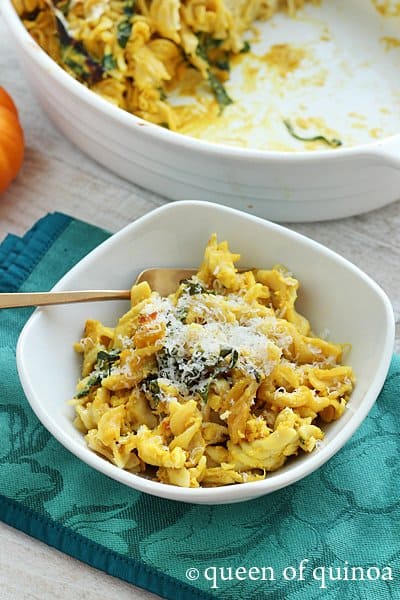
221,494
175,139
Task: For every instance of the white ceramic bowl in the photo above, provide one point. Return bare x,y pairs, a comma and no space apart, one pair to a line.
282,186
335,295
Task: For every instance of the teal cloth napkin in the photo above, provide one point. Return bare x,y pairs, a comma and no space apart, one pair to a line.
334,534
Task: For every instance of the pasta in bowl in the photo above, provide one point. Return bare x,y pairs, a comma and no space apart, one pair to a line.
334,295
217,384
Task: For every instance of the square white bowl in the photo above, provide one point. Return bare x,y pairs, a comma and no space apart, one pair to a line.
334,295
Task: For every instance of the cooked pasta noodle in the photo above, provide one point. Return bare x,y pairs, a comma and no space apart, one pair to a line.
218,383
134,53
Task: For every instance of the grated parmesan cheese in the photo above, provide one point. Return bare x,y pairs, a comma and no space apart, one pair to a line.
194,348
225,415
126,341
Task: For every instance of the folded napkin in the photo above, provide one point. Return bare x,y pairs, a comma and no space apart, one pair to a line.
334,534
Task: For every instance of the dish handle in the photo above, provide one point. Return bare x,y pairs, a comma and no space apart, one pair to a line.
388,151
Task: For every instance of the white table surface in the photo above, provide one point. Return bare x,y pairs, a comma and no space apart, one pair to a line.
57,176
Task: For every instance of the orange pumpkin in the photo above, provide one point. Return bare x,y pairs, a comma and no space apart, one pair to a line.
11,140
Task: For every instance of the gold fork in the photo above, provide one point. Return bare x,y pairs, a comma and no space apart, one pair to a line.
162,280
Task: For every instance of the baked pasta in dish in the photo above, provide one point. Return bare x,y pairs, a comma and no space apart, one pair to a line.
219,383
134,53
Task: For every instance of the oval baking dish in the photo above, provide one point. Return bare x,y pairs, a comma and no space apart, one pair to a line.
290,186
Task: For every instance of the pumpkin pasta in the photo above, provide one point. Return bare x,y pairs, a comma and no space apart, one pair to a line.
135,53
218,383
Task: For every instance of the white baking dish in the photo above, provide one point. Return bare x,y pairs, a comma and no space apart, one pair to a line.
282,186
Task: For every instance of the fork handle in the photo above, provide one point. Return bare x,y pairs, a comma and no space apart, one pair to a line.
46,298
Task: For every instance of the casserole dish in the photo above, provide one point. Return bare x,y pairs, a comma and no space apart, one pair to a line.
282,186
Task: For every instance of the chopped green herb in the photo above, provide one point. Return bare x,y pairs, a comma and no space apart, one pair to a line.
223,65
198,371
94,380
152,390
219,91
225,352
333,142
182,314
62,5
246,48
124,27
201,51
76,57
76,67
129,8
221,369
234,359
163,95
213,43
205,44
105,360
204,391
109,62
252,371
195,287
